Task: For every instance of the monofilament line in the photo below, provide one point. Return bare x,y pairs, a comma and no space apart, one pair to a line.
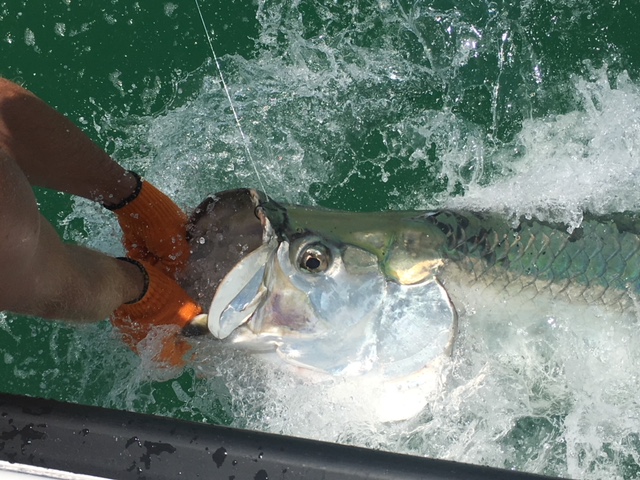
233,109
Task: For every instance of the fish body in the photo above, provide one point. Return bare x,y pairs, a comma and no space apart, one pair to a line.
379,295
534,265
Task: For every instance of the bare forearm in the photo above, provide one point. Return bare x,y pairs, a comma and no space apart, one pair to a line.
70,282
95,286
53,152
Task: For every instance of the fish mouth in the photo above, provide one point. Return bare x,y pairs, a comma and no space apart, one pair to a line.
222,231
232,235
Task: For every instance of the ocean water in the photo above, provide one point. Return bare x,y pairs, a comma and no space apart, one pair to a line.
528,108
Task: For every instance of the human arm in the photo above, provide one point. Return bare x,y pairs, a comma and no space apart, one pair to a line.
42,276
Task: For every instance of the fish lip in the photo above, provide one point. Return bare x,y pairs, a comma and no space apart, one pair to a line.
262,223
222,231
227,311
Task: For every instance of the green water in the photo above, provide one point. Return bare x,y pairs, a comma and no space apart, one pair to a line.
381,105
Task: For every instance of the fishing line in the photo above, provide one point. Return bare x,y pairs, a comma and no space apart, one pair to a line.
226,91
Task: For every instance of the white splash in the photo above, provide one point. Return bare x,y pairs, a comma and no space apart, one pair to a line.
587,160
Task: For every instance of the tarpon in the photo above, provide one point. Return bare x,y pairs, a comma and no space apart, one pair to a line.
379,294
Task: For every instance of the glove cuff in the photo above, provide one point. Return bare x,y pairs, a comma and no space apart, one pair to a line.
131,197
151,206
145,275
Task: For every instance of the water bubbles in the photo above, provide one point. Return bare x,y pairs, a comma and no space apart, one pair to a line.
114,77
537,73
394,75
29,37
581,161
60,29
169,9
110,19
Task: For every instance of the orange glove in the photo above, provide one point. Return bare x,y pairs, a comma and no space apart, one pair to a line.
163,302
155,229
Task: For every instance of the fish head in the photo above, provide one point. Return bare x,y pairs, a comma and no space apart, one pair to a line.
327,291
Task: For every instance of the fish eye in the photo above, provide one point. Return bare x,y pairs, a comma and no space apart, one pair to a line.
314,258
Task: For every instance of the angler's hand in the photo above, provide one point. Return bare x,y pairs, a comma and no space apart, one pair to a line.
155,228
163,302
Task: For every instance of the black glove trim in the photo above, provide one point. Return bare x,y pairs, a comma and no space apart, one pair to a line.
145,288
131,197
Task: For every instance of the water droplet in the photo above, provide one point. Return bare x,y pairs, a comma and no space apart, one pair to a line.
261,475
219,456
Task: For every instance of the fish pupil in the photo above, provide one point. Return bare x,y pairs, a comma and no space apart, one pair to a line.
312,263
313,258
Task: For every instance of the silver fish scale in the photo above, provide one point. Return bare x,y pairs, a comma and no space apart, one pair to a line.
597,263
